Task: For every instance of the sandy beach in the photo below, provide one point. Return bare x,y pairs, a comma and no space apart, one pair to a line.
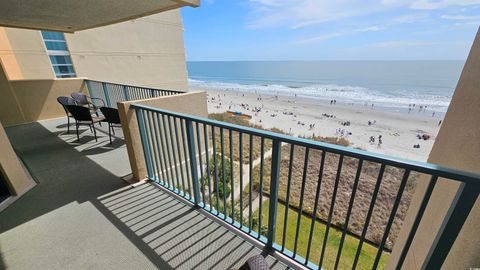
301,116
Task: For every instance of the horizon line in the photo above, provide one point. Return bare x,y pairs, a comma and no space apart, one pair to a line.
328,60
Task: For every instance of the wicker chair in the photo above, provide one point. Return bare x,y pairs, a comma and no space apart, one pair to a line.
85,101
256,262
83,116
112,118
64,101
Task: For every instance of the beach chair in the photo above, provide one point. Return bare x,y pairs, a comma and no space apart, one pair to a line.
92,103
112,118
64,101
83,116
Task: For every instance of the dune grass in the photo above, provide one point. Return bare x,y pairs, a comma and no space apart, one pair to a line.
367,255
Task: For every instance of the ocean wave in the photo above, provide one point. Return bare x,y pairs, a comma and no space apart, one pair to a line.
345,93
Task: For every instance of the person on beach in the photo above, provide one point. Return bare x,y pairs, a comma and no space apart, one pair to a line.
379,140
439,122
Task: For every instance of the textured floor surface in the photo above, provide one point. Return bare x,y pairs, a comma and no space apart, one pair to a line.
81,215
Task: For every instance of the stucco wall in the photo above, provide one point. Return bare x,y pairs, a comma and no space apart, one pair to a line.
146,52
457,146
17,180
193,103
23,54
10,112
26,101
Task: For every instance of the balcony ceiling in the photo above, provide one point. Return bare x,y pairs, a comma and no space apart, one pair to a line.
74,15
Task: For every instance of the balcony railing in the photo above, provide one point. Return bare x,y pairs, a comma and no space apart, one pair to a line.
112,93
319,204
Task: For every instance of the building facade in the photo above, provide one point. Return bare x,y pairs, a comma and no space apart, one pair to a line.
148,51
38,66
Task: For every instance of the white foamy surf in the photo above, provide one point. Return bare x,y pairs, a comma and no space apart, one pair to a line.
400,99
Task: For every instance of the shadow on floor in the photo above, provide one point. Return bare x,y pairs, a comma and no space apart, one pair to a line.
167,232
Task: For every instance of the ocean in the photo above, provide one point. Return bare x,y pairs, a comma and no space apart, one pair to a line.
389,84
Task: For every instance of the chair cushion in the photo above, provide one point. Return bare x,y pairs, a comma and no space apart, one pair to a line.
256,262
97,118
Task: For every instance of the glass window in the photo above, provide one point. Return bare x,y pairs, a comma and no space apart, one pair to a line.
60,60
48,35
56,46
59,54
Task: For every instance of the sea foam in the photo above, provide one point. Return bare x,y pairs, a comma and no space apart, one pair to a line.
400,99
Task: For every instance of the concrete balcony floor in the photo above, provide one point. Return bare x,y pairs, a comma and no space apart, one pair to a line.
82,215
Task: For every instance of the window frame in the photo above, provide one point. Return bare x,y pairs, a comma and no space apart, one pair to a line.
65,53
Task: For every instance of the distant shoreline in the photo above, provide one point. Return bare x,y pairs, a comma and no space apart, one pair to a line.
354,95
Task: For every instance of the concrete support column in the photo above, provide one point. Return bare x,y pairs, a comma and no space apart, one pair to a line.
18,181
193,103
457,146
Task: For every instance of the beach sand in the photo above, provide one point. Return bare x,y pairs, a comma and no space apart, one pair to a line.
399,130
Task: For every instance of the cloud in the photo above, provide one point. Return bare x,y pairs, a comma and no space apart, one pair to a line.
399,44
460,17
370,29
429,4
374,28
320,38
297,14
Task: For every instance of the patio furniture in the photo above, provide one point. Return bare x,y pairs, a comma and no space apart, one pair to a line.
83,116
89,102
112,118
256,262
64,101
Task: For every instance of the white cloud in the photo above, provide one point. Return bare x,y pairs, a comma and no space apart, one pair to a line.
339,34
304,13
410,18
370,29
429,4
460,17
320,38
399,44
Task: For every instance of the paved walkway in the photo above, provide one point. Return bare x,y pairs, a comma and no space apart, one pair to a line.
81,215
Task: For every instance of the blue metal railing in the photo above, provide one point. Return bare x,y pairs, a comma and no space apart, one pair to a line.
112,93
204,161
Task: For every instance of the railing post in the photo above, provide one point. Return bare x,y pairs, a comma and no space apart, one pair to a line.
457,214
193,161
145,141
274,182
105,92
152,93
89,88
125,93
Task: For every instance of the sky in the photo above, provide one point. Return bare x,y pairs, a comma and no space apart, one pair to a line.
240,30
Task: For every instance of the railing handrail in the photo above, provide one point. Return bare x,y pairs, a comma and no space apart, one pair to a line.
136,86
418,166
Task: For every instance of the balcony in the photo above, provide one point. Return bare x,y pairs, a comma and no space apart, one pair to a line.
82,214
215,194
